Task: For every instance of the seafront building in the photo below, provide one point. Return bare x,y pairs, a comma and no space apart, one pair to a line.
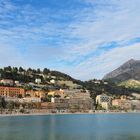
23,100
74,102
60,103
80,104
122,103
30,100
104,101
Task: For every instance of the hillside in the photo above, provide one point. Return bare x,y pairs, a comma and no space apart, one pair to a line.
55,79
131,84
46,75
127,71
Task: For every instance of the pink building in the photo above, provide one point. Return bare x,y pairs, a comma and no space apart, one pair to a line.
123,104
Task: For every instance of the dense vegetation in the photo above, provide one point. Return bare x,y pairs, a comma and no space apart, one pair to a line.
20,74
29,75
110,88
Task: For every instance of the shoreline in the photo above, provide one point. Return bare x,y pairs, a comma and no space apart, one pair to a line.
55,114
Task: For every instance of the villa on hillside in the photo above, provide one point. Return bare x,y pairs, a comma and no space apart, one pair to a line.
7,82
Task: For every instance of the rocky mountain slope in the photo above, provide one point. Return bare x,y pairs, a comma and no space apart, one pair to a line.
127,71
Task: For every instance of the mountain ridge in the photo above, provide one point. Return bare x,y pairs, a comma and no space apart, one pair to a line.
128,70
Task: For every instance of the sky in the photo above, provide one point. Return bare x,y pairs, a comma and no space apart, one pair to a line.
83,38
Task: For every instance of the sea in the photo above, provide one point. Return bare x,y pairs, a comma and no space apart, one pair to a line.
71,127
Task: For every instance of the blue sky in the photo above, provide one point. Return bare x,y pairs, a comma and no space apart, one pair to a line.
83,38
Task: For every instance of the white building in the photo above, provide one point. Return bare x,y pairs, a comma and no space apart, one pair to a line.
13,99
31,99
38,81
23,100
103,100
52,81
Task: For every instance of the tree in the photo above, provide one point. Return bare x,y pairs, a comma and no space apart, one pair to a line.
38,71
34,71
99,107
1,108
15,69
2,104
38,105
8,69
30,105
10,106
28,87
22,110
21,69
48,98
17,105
46,71
57,96
19,96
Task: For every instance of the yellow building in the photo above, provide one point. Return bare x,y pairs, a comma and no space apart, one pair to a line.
123,97
56,92
32,93
103,100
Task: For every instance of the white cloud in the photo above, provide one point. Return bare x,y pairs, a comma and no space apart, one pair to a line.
77,41
97,67
10,56
116,21
109,25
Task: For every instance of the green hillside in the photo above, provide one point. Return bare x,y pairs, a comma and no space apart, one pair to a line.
131,84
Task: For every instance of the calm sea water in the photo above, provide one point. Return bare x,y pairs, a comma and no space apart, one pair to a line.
71,127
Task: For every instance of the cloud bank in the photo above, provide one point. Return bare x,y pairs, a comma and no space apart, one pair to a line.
84,38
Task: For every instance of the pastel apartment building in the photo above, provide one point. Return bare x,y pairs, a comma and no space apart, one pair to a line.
36,93
12,92
56,92
104,101
122,103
